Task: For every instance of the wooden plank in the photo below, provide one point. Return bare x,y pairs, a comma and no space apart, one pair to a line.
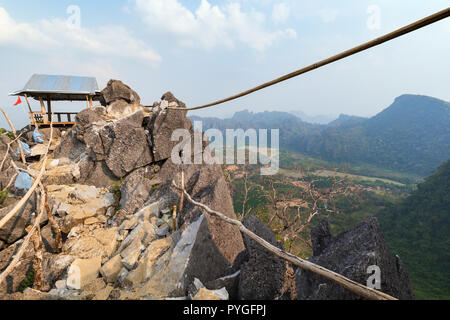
49,109
90,102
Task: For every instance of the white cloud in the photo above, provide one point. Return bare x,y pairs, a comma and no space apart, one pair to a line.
51,35
328,15
280,13
210,25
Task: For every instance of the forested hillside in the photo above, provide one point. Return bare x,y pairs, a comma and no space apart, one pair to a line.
412,135
418,229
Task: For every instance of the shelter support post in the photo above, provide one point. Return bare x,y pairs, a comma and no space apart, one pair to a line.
49,109
33,121
44,113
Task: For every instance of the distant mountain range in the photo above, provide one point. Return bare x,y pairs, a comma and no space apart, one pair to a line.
411,135
319,119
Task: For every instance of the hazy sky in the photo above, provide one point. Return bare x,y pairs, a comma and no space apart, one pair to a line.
203,50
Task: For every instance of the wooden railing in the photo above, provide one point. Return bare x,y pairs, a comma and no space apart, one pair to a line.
65,118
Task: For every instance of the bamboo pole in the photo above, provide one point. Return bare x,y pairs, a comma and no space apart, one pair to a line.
25,243
181,196
33,121
349,284
22,201
22,155
28,103
7,150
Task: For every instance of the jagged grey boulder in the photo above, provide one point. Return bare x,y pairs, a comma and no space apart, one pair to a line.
116,90
14,229
137,188
20,272
162,124
262,275
350,254
117,138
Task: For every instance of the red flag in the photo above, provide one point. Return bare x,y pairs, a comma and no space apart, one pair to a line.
18,101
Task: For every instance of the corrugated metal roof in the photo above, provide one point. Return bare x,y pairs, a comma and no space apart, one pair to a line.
59,85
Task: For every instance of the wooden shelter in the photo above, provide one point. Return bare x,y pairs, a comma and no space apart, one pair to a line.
48,88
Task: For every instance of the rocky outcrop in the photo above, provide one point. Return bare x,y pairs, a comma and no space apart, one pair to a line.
109,186
350,254
20,273
262,274
116,90
14,229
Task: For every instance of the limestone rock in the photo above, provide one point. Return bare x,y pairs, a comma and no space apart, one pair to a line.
20,272
111,143
82,272
98,242
169,274
14,229
104,293
205,294
262,275
61,284
53,268
350,254
137,188
76,203
147,212
48,238
144,233
118,108
153,252
62,174
229,282
161,126
116,90
135,277
70,147
111,269
131,253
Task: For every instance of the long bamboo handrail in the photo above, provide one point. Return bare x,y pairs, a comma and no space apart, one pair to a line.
387,37
349,284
